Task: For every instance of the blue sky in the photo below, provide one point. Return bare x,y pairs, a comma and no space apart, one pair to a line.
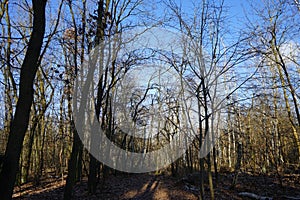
237,7
234,11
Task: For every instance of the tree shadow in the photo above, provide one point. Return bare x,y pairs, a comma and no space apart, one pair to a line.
146,191
150,186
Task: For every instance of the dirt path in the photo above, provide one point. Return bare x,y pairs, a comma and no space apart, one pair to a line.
153,187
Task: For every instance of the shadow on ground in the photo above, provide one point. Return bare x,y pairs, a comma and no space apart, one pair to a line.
162,187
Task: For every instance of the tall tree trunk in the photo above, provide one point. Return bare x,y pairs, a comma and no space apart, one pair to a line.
286,83
21,117
201,196
206,134
287,104
94,164
83,19
77,144
10,86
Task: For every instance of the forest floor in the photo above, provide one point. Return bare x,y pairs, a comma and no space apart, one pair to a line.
163,187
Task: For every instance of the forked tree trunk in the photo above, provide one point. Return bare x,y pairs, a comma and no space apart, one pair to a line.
21,117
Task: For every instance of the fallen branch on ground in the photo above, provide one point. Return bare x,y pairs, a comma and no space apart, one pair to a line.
292,198
254,196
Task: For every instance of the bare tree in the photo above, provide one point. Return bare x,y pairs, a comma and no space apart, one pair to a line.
22,112
209,61
272,39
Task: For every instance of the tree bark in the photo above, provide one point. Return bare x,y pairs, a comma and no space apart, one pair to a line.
21,117
72,166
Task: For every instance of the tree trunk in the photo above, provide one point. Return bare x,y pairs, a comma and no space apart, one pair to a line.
206,134
21,117
76,145
279,62
201,196
72,166
92,180
94,164
237,165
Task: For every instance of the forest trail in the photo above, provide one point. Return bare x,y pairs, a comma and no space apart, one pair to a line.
162,187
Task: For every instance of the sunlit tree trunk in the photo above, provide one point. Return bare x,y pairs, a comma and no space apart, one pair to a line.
279,62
